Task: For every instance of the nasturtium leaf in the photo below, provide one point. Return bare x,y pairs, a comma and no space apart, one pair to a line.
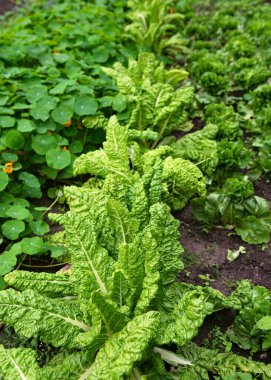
3,180
39,227
106,101
9,157
3,208
3,100
7,262
100,54
29,179
25,126
119,103
42,143
41,109
7,121
58,159
35,93
48,125
62,114
6,197
61,87
21,202
49,172
32,246
2,281
76,146
57,251
21,106
17,212
11,229
31,192
38,112
85,105
14,140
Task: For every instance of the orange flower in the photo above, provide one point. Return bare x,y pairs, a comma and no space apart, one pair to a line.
8,168
65,148
68,123
55,51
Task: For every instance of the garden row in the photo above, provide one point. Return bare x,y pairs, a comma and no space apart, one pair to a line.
117,311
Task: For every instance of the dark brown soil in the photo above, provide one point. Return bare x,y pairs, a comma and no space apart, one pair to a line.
206,255
5,6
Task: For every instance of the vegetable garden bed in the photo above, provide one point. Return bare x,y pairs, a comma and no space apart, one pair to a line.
135,190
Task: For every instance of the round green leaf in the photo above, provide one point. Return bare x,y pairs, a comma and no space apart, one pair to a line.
25,126
14,140
17,212
100,54
58,159
7,121
29,179
9,157
11,229
119,103
85,105
76,146
39,227
3,180
32,246
42,143
62,114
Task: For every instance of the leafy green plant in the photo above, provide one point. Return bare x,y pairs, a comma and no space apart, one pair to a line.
119,302
181,179
51,79
233,206
152,99
154,27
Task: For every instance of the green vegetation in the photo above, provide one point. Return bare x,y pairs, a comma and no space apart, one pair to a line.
151,106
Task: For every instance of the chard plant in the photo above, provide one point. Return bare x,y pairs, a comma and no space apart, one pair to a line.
155,27
117,310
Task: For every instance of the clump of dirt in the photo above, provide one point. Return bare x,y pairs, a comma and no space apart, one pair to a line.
206,256
5,6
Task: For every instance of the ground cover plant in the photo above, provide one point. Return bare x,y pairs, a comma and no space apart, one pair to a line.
116,310
51,78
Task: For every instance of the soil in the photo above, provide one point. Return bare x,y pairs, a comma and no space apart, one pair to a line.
206,255
5,6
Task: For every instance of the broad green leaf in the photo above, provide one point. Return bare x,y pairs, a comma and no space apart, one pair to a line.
29,179
18,363
25,125
254,230
8,261
264,323
62,114
91,263
17,212
117,357
119,103
4,179
42,143
100,54
11,229
33,315
14,140
32,246
39,227
85,105
58,159
35,93
52,285
7,121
